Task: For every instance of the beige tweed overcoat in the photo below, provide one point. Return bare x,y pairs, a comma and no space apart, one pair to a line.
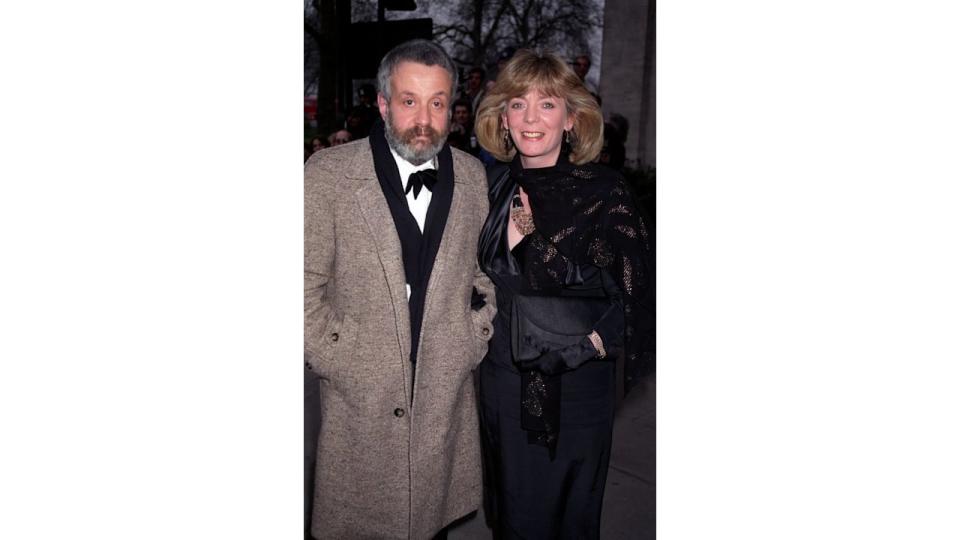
398,456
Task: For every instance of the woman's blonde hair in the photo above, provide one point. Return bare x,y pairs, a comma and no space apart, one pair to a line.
550,75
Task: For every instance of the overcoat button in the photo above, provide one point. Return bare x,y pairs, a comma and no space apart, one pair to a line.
485,331
398,413
334,336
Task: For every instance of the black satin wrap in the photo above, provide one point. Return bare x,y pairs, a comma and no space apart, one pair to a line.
547,323
589,242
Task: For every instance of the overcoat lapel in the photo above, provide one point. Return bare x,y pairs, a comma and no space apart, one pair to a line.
450,234
376,214
451,237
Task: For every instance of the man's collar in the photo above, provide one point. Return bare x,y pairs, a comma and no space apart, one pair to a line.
405,168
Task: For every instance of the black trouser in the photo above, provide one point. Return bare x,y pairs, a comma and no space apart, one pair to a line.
532,496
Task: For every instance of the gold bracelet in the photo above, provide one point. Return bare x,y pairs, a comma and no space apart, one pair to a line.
597,344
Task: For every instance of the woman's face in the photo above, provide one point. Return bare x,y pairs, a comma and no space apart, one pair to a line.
536,123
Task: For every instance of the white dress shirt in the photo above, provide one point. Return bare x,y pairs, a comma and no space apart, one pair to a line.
418,207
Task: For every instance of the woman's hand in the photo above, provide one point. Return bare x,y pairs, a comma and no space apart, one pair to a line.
560,360
521,220
525,200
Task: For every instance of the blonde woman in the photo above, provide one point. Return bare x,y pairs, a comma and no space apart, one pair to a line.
569,255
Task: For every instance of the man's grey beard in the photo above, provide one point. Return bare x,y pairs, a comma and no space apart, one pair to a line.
400,142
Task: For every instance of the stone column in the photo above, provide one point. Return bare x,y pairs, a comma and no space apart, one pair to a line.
628,74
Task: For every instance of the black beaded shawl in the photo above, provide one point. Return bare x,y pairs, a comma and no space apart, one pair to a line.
584,215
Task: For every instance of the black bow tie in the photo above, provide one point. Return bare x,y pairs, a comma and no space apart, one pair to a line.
426,178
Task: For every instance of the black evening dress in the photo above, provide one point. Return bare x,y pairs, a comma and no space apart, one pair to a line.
589,234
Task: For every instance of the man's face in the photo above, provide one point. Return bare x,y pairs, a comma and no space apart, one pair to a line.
417,115
581,65
354,121
461,115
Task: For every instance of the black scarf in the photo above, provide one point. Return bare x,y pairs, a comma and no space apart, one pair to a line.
419,249
567,202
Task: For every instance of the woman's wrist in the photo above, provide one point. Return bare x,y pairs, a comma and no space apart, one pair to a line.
594,338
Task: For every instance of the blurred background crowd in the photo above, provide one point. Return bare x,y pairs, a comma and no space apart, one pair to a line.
344,40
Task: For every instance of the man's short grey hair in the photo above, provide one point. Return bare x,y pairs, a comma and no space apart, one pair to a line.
419,51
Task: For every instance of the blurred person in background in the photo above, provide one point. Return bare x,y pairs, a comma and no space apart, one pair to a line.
613,154
581,66
461,128
339,137
316,144
474,91
361,118
571,260
505,55
622,124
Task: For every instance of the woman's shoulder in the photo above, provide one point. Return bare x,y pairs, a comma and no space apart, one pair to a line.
604,181
497,179
496,171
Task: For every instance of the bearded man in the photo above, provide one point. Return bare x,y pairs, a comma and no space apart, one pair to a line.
397,312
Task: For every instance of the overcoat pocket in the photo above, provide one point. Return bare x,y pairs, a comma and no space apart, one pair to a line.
339,341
